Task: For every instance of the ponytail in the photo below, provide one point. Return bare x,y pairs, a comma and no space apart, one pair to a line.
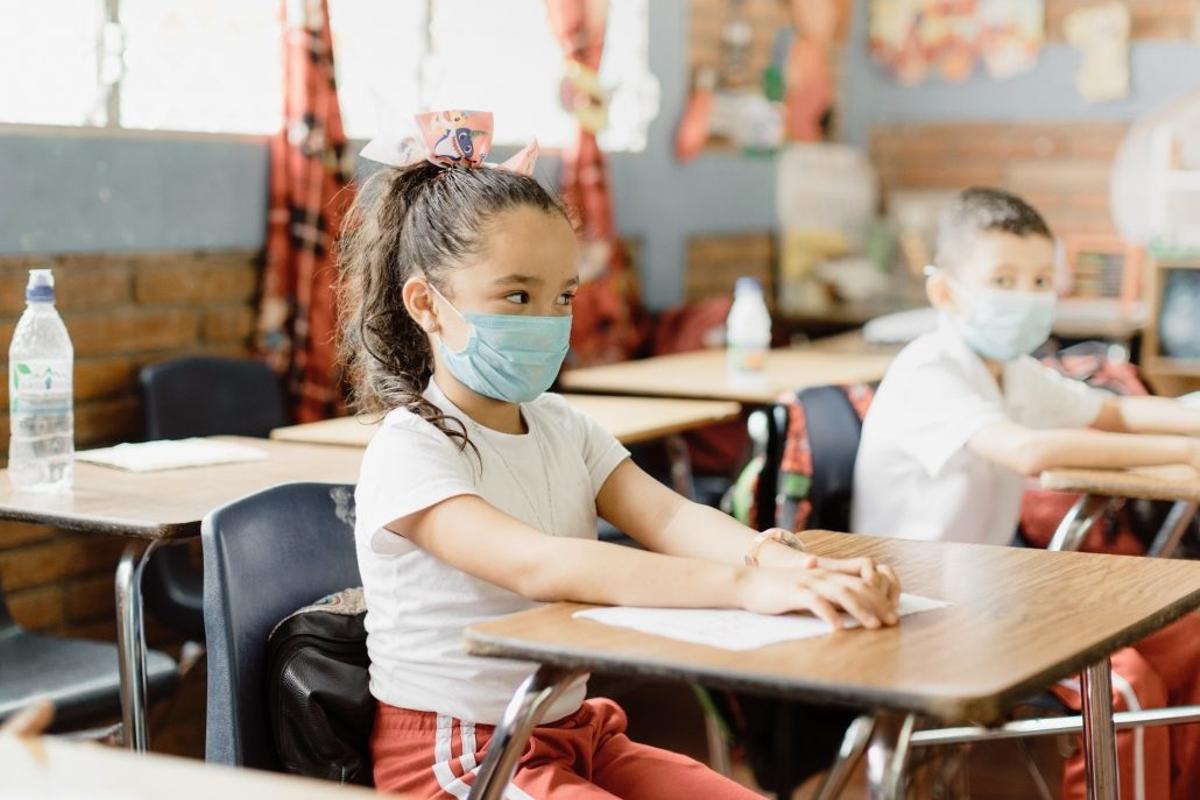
423,219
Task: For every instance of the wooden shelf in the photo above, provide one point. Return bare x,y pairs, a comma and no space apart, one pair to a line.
1177,367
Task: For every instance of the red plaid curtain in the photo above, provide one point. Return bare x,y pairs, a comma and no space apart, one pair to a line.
310,172
608,319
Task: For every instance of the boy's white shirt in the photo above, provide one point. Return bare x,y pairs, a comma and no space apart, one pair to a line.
915,476
417,605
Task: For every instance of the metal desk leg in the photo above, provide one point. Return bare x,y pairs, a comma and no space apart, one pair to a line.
887,755
508,740
854,744
1078,521
681,466
131,646
1099,733
1173,528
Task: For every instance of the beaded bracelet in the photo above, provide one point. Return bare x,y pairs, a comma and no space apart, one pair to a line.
771,535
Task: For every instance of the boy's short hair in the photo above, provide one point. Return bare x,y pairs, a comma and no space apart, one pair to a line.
977,210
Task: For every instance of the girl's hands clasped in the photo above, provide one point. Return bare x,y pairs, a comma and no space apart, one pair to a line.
862,588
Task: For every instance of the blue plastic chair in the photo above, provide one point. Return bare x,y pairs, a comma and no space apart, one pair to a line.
265,556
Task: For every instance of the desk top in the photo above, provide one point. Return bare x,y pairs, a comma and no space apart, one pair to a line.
1019,620
703,374
171,503
630,419
49,767
1175,482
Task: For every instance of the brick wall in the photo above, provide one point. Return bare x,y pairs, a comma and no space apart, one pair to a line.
123,312
714,262
1152,19
1061,168
126,311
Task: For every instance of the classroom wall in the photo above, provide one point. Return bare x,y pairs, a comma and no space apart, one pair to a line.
1032,134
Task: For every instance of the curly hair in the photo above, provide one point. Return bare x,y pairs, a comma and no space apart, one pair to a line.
422,219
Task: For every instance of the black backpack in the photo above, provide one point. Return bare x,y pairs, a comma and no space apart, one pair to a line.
322,711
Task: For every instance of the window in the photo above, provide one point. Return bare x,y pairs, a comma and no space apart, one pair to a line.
194,65
215,65
396,58
201,65
50,69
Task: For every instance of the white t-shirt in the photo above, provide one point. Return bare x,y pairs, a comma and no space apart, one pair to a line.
915,477
418,606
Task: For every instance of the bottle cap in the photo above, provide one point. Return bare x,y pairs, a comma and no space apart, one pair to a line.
41,286
746,285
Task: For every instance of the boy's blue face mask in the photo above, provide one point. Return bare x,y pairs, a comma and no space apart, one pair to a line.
1003,324
508,357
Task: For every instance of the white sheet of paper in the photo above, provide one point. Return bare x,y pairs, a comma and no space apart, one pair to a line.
170,454
730,629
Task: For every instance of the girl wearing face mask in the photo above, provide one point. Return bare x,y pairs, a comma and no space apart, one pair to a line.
965,415
480,493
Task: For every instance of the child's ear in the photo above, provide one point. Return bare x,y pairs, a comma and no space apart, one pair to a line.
937,289
418,301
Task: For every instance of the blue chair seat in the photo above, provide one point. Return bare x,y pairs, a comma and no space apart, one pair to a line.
81,677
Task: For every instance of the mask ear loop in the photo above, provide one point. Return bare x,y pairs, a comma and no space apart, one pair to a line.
459,314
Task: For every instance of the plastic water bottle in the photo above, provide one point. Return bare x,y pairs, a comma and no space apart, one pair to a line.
41,444
747,329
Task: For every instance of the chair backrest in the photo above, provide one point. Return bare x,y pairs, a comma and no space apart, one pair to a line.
210,396
265,556
834,432
809,445
768,434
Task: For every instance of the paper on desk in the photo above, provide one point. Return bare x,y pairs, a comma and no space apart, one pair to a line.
171,454
730,629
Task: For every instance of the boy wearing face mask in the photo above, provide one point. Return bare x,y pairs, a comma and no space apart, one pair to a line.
965,415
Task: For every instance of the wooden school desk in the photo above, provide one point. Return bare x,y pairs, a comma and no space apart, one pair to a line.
703,374
630,419
1019,620
1100,488
161,507
54,768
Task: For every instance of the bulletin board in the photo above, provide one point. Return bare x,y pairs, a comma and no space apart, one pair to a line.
740,65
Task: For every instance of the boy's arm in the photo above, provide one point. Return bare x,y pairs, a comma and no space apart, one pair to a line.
1030,451
1147,415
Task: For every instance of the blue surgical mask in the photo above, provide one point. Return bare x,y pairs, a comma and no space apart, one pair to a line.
1004,324
508,357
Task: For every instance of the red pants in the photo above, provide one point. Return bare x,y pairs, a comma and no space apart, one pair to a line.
1153,763
585,756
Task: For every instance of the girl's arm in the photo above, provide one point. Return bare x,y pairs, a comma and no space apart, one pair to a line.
1030,451
664,521
1147,415
472,535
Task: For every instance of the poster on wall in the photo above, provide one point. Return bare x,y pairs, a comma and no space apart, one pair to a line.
915,39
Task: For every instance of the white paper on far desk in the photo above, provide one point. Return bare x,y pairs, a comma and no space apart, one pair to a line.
731,629
171,454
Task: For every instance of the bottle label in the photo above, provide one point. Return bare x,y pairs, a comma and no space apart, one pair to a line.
744,358
40,382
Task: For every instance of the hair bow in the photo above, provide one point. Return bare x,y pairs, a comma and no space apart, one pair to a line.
446,138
